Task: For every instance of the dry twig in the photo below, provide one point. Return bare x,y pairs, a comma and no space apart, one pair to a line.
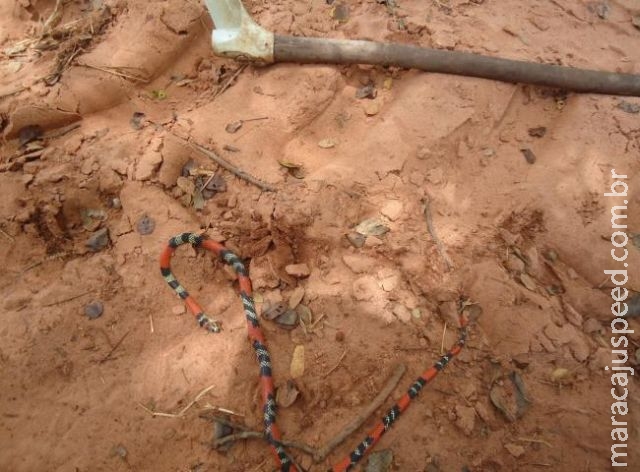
223,88
231,168
444,332
537,441
56,133
432,231
113,349
258,435
120,72
59,255
181,413
364,415
65,300
7,235
326,374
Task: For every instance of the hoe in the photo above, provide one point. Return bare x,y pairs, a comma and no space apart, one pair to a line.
236,35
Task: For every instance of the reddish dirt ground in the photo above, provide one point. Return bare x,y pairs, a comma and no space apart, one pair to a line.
528,241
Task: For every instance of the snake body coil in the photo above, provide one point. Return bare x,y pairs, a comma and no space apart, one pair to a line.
256,337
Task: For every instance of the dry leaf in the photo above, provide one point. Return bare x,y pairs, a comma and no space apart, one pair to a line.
287,320
198,200
528,282
296,297
295,170
509,396
304,313
92,219
560,374
287,394
372,227
289,165
186,185
327,143
297,362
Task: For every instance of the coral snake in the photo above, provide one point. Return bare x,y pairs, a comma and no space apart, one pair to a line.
256,337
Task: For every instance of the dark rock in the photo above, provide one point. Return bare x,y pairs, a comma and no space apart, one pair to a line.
98,240
94,310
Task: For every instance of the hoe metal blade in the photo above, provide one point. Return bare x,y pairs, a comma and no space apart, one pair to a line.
236,35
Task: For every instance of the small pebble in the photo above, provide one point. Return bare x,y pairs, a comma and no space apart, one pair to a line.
145,225
529,156
372,108
341,12
380,461
94,310
368,91
515,449
116,203
217,184
298,270
178,310
120,451
137,120
339,336
271,311
538,132
356,239
98,240
288,320
627,107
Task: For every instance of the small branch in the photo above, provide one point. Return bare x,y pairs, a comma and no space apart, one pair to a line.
231,168
258,435
118,72
363,416
434,235
444,332
60,302
59,255
56,133
7,235
230,80
181,413
537,441
53,20
315,323
326,374
210,416
113,349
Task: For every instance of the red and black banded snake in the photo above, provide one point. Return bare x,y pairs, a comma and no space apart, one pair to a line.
256,337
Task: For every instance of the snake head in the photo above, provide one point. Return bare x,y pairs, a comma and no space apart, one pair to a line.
209,324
